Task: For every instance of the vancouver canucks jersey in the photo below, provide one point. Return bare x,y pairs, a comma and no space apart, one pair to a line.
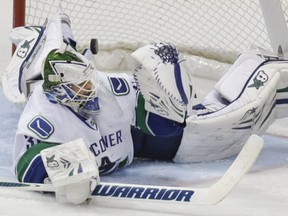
107,134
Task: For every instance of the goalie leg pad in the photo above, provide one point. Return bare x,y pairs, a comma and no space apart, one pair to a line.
33,45
222,133
282,89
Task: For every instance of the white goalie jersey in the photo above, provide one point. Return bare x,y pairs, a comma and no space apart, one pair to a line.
107,134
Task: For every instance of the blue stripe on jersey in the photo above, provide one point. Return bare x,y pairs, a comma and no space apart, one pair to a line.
36,172
282,101
160,126
30,167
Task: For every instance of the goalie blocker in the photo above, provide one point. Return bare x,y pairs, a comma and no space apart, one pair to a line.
246,100
72,170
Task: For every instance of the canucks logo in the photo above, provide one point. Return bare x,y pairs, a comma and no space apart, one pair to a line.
51,162
41,127
24,49
259,80
119,86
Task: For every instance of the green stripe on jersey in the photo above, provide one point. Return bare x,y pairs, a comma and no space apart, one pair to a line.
28,157
141,114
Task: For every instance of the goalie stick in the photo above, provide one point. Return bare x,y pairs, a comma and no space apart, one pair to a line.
196,196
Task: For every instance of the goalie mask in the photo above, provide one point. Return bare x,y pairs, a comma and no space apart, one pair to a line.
70,80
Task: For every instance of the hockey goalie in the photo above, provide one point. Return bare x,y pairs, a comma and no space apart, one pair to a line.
155,118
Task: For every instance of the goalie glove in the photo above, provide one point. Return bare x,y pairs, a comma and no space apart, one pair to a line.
164,81
72,170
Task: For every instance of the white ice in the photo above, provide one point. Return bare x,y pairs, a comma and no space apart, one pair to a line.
263,191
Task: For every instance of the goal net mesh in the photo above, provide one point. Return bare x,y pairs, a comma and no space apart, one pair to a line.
213,29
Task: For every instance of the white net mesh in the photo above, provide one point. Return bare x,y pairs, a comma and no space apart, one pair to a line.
213,29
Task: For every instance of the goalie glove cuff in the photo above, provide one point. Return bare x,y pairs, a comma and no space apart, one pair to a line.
75,193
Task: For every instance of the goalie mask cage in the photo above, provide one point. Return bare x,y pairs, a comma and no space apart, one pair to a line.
213,29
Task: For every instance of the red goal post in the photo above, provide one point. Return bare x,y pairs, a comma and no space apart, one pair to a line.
18,13
213,29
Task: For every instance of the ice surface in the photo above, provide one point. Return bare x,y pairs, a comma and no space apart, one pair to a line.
262,192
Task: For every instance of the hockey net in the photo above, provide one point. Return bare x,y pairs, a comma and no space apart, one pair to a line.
213,29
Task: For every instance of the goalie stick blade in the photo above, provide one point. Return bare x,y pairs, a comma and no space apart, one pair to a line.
124,194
